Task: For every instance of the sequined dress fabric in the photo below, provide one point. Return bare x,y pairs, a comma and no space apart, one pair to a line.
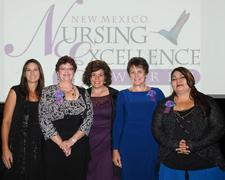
24,142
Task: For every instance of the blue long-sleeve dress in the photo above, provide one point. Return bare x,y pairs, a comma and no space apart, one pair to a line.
132,134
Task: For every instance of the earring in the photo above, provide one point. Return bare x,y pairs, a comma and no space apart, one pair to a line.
57,78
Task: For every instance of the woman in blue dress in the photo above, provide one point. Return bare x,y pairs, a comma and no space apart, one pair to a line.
134,148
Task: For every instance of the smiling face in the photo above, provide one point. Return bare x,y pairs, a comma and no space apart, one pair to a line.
179,83
32,73
66,72
137,75
97,78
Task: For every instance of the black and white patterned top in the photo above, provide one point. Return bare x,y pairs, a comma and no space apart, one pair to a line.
50,111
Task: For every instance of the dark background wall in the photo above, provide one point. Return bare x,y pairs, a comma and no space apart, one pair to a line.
221,103
1,116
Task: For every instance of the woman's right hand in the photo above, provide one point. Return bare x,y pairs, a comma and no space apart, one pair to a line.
65,145
68,152
9,107
183,148
7,158
116,158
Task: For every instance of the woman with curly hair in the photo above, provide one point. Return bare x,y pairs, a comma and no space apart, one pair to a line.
98,75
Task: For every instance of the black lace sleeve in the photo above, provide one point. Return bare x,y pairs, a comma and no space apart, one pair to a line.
161,129
88,120
216,128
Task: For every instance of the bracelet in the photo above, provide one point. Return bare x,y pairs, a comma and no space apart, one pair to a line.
73,140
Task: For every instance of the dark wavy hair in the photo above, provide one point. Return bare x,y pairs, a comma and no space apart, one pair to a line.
195,95
94,66
64,60
138,62
23,86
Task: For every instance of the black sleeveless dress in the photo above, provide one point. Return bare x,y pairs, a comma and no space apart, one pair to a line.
25,139
73,167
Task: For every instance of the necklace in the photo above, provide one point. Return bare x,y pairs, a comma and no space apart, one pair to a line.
72,89
138,91
99,93
182,117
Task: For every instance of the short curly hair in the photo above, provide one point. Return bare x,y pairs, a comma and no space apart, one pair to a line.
94,66
64,60
138,62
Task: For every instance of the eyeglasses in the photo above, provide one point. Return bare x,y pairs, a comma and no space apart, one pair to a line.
66,69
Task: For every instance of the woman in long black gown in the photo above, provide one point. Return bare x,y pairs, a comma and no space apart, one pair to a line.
66,116
21,134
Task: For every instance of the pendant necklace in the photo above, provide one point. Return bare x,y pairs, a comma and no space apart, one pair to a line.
99,93
138,91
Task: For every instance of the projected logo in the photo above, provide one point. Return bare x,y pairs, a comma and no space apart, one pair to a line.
174,32
113,38
155,76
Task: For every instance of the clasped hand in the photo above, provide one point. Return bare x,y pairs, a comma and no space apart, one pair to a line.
183,148
66,147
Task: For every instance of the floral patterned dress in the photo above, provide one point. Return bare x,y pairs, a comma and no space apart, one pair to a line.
59,116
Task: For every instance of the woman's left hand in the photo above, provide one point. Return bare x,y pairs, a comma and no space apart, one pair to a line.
68,152
183,148
66,145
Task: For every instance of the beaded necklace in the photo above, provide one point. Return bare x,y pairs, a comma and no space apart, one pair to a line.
182,117
73,95
72,89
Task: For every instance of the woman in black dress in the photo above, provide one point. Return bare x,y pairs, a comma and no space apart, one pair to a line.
21,134
65,117
187,126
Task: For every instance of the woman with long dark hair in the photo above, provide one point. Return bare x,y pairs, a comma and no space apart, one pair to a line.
21,134
188,125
